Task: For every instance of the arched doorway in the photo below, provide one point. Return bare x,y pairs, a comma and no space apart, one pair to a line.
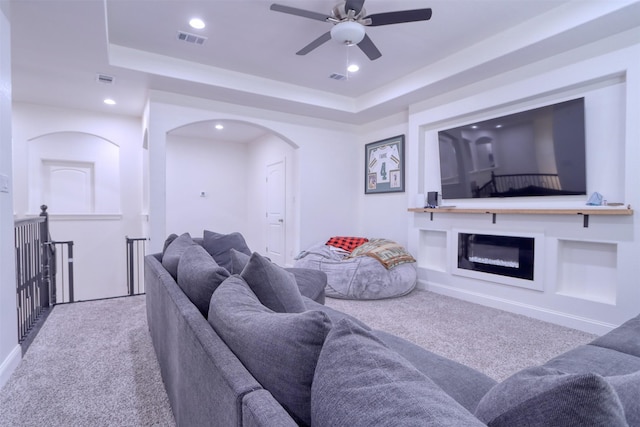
228,175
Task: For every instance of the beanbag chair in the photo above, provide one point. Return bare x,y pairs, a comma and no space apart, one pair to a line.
376,269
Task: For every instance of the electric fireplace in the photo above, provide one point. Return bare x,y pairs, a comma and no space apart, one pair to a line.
509,256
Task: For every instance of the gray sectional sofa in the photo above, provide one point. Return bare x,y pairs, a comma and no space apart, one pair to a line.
251,344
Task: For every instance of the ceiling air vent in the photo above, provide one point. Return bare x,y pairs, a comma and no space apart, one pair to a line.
337,76
191,38
104,78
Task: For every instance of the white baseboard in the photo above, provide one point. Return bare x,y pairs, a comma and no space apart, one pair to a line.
563,319
9,364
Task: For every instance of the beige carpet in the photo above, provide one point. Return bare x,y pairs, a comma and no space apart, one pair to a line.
92,364
495,342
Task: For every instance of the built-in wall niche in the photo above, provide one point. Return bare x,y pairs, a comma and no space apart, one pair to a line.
587,270
74,173
69,186
514,259
432,253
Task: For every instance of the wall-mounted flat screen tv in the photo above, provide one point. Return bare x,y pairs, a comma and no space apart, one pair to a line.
539,152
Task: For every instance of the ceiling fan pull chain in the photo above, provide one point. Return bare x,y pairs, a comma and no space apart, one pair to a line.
346,66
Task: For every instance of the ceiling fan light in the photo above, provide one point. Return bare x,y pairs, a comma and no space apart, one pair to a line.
348,32
197,23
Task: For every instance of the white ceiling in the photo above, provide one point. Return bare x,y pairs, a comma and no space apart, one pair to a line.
58,47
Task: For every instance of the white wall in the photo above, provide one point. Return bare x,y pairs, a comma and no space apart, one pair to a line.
218,169
610,83
99,236
327,182
382,215
232,177
10,352
74,172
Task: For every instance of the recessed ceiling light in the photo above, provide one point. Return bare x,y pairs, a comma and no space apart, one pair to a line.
474,127
219,126
197,23
353,68
109,101
498,126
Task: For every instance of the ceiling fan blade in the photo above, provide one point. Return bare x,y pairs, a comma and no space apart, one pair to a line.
369,49
314,44
299,12
355,5
399,17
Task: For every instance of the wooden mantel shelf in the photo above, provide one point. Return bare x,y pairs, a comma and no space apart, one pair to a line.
531,211
603,210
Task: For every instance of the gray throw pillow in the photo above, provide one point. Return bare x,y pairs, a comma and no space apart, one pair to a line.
220,245
624,338
174,251
275,287
333,314
628,389
311,282
541,396
238,261
279,349
168,241
198,276
361,382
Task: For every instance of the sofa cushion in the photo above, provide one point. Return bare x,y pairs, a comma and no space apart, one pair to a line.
542,396
220,245
463,383
274,287
279,349
623,338
591,359
333,314
238,261
360,382
310,282
168,241
628,389
199,275
174,251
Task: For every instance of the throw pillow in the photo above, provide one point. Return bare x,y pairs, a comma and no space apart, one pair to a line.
541,396
333,314
361,382
238,261
279,349
387,252
168,241
346,243
310,282
174,251
199,276
275,287
220,245
623,338
628,389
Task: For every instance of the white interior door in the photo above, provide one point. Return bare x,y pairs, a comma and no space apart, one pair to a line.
276,230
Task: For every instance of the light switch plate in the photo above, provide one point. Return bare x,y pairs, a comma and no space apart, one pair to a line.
4,183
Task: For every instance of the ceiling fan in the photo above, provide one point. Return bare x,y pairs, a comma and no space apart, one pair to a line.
349,19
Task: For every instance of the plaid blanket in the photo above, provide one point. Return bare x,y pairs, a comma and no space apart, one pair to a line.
346,243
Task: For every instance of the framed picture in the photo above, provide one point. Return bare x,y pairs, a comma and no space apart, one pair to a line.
384,166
